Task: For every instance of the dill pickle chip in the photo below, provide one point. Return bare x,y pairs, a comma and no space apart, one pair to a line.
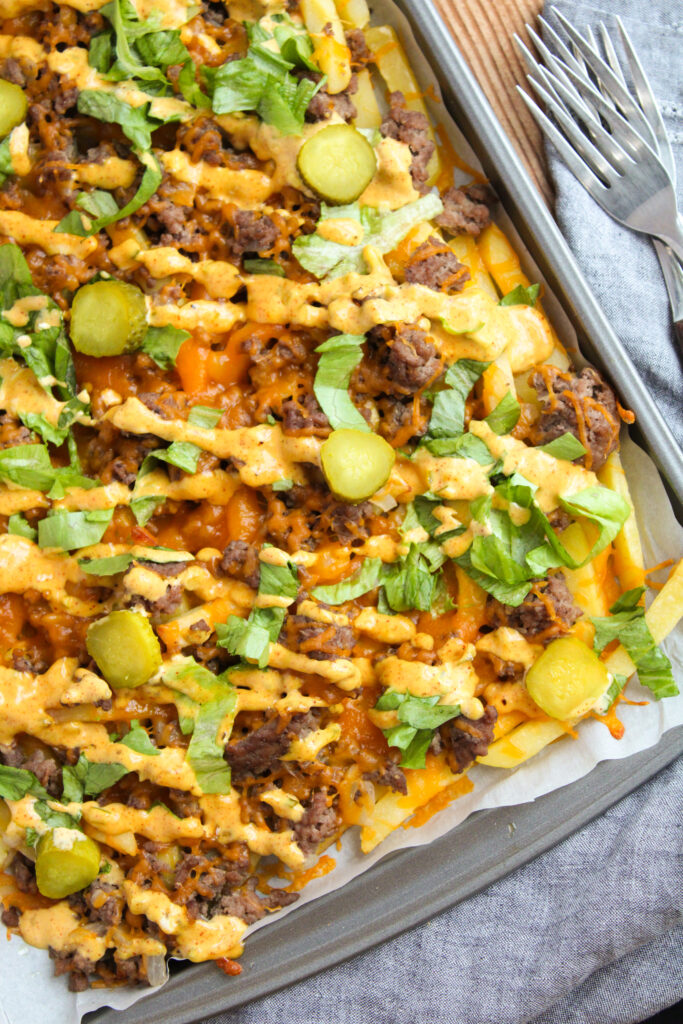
338,163
5,816
13,106
125,647
356,463
108,318
567,679
66,862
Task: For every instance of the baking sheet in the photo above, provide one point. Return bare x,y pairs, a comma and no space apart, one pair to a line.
558,766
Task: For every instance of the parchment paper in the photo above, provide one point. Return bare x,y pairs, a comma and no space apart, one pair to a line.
29,994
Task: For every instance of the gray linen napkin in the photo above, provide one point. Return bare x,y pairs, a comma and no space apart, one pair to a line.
592,931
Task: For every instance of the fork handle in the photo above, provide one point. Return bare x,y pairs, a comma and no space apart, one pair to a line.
672,271
675,238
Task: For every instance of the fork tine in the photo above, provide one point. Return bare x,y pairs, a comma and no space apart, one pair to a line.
613,150
579,169
534,67
624,135
611,53
552,62
592,156
618,93
565,53
648,102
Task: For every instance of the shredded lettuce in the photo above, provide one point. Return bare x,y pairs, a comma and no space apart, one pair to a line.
504,417
628,625
16,783
182,454
18,526
339,357
137,739
102,206
419,718
204,416
448,414
565,447
521,296
365,579
262,266
250,638
162,344
29,466
383,232
87,778
71,530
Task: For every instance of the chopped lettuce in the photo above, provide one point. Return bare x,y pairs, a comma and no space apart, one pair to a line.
162,344
339,357
419,718
448,414
383,232
88,778
367,577
521,296
71,530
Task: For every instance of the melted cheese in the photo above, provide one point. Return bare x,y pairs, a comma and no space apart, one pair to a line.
157,823
224,823
23,566
214,317
392,186
19,47
263,454
553,477
58,928
452,478
453,683
247,188
388,629
509,645
110,174
221,279
25,230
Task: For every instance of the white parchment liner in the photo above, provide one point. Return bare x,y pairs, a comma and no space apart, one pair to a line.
29,994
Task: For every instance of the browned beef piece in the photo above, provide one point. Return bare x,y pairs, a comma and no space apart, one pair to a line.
582,404
303,417
319,823
317,640
547,610
164,569
10,917
350,522
240,560
466,210
10,70
76,966
436,266
253,233
175,219
258,753
244,904
325,104
390,775
184,804
411,127
12,432
279,898
47,770
203,141
11,755
464,739
403,356
360,54
164,605
90,903
24,873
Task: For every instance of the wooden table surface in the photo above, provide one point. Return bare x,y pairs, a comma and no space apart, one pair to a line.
484,29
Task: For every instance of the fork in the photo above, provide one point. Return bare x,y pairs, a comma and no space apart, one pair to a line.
627,166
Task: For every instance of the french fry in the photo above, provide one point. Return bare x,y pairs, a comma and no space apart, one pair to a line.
522,743
628,553
497,382
331,52
585,584
396,71
395,808
365,102
465,248
354,13
662,617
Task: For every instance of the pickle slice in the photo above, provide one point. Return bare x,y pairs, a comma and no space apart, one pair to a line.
567,679
65,863
125,648
108,318
13,106
338,163
356,463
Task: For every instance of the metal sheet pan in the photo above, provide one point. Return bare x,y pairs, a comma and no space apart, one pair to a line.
370,910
